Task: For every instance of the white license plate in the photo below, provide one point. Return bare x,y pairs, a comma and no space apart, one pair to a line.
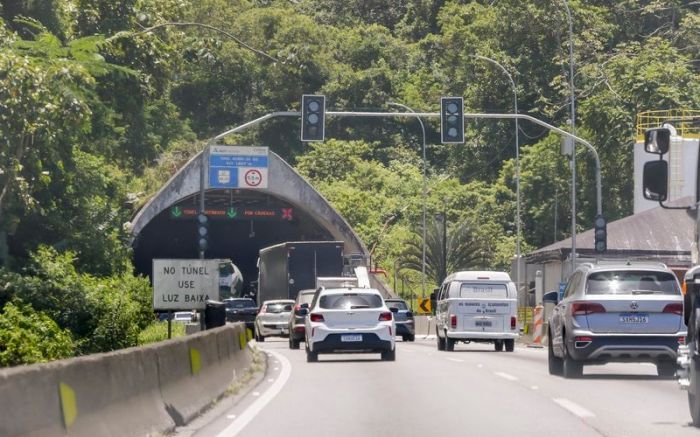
483,323
634,319
351,337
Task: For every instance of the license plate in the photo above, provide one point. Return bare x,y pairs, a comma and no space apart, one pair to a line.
352,337
634,319
483,323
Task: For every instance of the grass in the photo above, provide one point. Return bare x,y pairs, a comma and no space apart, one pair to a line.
256,365
158,331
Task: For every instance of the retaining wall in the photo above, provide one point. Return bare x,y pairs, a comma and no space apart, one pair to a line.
134,391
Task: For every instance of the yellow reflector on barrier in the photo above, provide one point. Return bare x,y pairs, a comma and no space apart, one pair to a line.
250,333
242,340
69,406
195,361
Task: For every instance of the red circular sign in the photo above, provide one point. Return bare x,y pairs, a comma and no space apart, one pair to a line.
253,177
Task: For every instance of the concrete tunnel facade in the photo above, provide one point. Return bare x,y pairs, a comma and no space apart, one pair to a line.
242,221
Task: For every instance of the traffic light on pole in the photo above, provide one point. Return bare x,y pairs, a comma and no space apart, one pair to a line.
601,234
313,109
202,231
452,120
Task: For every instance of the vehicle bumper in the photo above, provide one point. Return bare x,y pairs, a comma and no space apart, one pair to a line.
298,332
624,348
273,330
370,343
405,328
480,335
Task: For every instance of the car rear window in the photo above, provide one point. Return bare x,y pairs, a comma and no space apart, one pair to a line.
631,282
350,301
240,303
276,308
397,304
476,290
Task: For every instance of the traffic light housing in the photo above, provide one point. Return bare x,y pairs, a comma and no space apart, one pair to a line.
601,234
202,231
313,117
452,120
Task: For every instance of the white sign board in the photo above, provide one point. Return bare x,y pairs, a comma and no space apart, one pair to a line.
184,284
238,167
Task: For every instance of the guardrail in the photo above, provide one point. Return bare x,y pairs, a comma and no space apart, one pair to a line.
134,391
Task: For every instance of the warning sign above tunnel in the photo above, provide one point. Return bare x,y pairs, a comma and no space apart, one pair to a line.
238,167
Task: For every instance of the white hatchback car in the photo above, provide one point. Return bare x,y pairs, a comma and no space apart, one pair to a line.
349,320
272,319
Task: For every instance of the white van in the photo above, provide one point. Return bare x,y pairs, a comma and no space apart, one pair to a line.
478,306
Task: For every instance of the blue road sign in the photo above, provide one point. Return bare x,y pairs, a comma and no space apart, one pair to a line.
238,167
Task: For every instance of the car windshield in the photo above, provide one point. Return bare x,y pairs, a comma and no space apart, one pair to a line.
350,301
306,298
401,305
632,282
276,308
240,303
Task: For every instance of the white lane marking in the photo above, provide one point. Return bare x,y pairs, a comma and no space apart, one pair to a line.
270,380
276,369
479,366
456,360
256,393
507,376
249,414
534,387
573,407
231,416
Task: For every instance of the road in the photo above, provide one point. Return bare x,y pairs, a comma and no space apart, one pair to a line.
471,391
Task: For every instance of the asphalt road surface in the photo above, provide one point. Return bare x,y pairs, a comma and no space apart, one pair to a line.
472,391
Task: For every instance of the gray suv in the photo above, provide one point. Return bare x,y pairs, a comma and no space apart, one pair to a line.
616,312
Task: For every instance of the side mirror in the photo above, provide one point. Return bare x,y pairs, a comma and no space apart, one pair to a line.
657,141
304,305
394,310
655,180
303,311
551,296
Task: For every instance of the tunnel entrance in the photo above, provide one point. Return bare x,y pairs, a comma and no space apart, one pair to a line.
241,223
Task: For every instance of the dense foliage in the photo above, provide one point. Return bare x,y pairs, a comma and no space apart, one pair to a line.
102,100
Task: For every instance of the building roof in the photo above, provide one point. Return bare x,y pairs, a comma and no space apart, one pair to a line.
655,232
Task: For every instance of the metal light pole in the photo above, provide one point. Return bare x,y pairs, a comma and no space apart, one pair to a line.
425,188
518,278
573,132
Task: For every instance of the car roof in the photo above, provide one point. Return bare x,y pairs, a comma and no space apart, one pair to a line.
606,266
278,301
479,275
350,290
308,291
394,299
237,298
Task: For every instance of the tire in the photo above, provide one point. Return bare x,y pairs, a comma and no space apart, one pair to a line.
666,369
311,357
440,341
389,355
694,399
571,368
555,363
404,337
293,344
449,344
510,345
498,345
412,337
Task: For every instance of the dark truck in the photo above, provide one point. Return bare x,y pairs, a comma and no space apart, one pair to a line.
286,268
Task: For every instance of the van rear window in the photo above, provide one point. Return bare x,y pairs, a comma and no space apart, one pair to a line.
476,290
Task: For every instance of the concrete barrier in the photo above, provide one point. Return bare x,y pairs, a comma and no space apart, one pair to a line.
134,391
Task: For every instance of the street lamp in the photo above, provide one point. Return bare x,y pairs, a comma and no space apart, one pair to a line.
425,187
573,132
517,167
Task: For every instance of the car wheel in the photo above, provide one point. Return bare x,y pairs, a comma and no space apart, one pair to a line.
440,341
666,368
555,363
510,345
498,345
389,355
571,368
293,343
311,357
412,337
449,344
694,391
404,337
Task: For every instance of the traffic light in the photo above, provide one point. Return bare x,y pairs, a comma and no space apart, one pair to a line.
313,109
452,120
202,231
601,234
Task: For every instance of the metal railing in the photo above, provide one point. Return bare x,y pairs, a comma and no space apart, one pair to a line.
685,121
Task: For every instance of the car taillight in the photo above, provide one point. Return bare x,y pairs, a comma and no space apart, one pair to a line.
581,342
513,322
297,307
674,308
453,320
262,309
586,308
316,317
385,317
681,340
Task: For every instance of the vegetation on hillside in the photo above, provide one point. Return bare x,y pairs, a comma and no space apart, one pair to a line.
102,100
